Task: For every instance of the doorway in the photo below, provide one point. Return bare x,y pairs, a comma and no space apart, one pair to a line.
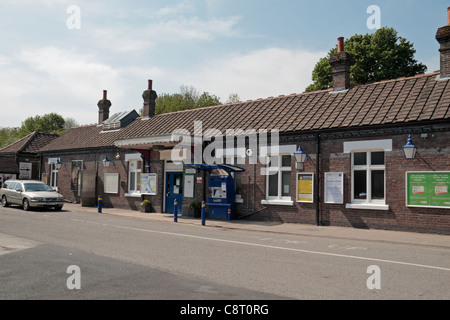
174,191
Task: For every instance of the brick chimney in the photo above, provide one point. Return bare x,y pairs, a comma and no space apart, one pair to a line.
149,96
341,63
103,108
443,37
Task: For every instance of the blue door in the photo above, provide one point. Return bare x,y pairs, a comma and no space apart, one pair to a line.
174,191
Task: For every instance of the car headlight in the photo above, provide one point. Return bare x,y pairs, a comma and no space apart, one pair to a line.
36,199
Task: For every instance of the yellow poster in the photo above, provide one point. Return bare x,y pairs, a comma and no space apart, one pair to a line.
305,187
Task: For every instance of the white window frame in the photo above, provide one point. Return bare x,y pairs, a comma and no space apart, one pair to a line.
134,158
279,199
367,147
54,172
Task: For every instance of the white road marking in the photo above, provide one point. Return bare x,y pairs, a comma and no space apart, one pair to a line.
269,246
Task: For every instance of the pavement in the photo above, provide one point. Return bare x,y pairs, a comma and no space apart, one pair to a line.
283,228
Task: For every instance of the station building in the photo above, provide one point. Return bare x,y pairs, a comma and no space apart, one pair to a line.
354,171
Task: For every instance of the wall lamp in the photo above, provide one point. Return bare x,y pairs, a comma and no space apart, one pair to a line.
409,150
106,162
58,164
300,156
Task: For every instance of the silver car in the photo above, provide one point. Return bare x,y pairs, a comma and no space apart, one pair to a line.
29,193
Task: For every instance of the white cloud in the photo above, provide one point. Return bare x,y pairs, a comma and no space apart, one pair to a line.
258,74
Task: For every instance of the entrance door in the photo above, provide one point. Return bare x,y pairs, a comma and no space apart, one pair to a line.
174,191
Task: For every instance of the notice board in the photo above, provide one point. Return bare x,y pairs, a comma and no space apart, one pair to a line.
428,189
305,187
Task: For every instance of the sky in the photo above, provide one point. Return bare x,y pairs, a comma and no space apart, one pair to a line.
59,55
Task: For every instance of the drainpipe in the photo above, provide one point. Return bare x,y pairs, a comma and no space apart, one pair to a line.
316,183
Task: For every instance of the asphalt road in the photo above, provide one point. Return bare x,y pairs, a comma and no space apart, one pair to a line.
125,258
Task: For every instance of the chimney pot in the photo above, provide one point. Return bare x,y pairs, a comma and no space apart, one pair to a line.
448,16
149,97
103,108
443,37
340,44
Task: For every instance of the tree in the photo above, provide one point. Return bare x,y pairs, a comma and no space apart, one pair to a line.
187,98
233,98
379,56
51,122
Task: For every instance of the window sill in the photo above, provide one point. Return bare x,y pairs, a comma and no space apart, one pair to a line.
368,206
278,202
239,200
133,195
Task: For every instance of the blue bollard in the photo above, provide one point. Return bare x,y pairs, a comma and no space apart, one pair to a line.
229,214
203,213
100,200
175,213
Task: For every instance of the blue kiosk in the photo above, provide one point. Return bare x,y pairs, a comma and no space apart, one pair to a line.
222,191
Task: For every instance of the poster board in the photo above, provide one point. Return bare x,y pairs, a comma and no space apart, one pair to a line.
189,186
334,187
111,183
305,187
149,184
77,166
428,189
25,169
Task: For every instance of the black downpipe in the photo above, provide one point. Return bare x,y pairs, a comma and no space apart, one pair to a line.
316,184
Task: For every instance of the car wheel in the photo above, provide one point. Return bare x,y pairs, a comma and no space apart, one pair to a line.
26,205
58,208
5,202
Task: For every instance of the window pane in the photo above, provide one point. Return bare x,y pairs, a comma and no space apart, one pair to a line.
286,161
138,181
132,181
286,184
377,158
360,158
378,184
360,184
273,185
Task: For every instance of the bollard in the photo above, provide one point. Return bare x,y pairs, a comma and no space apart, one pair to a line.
100,200
175,213
229,214
203,213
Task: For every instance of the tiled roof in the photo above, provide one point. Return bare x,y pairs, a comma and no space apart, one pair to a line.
391,102
31,143
404,100
83,137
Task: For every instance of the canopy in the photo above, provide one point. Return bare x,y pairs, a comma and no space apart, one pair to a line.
228,168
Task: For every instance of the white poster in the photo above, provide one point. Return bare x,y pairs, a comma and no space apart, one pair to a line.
25,170
334,187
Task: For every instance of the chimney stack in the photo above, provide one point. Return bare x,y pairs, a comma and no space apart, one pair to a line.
443,37
149,97
103,108
341,63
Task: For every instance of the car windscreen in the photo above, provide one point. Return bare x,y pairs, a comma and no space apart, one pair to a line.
37,187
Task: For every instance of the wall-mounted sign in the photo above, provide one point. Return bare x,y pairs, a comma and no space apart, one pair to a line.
149,184
111,183
305,187
25,170
428,189
189,185
334,187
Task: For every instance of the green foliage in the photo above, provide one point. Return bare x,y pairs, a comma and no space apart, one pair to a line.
52,123
379,56
187,98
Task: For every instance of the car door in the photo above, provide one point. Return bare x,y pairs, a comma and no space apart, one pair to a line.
10,192
18,193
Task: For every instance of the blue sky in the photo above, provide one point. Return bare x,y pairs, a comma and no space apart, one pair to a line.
255,48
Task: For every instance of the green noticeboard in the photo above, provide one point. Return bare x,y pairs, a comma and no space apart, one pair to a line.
428,189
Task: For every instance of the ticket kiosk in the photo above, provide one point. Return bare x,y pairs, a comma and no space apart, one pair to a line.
221,195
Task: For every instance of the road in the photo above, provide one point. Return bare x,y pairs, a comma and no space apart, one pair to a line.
125,258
